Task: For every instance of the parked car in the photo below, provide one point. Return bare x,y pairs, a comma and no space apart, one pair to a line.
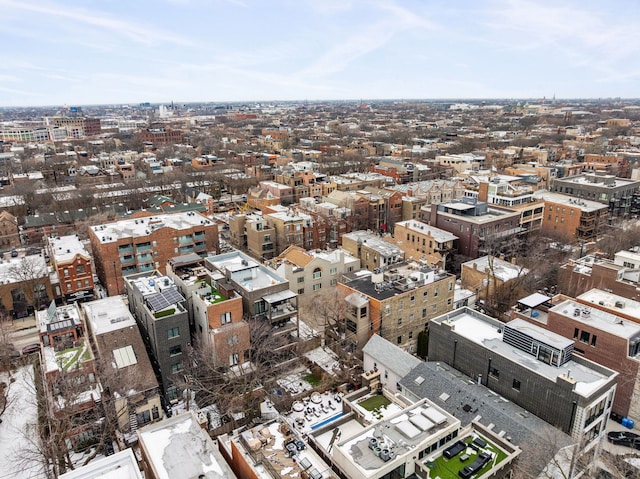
624,438
31,348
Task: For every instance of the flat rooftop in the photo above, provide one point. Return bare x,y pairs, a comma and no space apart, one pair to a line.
375,243
487,331
399,434
140,227
108,314
121,465
613,302
65,248
597,319
502,270
587,206
179,447
441,236
246,272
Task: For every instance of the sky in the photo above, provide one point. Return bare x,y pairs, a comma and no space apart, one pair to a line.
75,52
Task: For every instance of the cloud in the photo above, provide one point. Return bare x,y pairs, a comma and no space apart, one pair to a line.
136,32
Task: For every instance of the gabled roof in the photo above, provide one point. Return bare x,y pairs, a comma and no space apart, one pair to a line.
393,358
297,256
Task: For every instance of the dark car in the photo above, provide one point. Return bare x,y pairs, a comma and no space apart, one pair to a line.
624,438
31,348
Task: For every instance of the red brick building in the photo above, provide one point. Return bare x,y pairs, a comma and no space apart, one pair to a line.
138,245
72,264
160,136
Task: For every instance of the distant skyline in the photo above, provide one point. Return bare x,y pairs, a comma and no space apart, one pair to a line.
77,52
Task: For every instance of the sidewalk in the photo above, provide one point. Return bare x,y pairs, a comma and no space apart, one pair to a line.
23,323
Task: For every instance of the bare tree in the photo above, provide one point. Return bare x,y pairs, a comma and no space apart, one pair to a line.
32,276
238,390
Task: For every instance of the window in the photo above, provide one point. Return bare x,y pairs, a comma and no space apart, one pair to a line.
399,321
317,286
66,272
78,284
413,299
176,368
425,295
435,292
424,312
493,372
333,282
410,334
225,318
301,279
80,269
576,332
593,340
175,350
86,283
399,340
451,286
584,337
516,385
301,291
173,332
234,359
317,273
232,340
333,271
68,286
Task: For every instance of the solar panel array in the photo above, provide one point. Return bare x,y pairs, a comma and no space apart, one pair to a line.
164,299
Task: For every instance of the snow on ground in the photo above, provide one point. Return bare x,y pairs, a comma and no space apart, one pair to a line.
18,432
325,358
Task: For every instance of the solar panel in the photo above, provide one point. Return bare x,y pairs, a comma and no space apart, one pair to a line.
164,299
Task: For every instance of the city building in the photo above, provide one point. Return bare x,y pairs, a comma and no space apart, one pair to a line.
372,251
486,274
265,294
385,364
615,193
396,302
72,392
572,218
181,447
161,313
25,284
125,370
72,264
604,328
76,127
139,245
620,276
419,240
160,136
253,233
480,227
530,366
312,271
122,464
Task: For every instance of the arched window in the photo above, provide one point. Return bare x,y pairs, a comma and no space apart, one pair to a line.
317,273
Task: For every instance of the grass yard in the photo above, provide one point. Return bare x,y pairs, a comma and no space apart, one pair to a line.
448,468
69,357
312,379
374,402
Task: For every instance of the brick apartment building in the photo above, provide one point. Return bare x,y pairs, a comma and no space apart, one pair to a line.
143,244
572,218
479,227
160,136
396,302
418,240
372,251
604,328
72,264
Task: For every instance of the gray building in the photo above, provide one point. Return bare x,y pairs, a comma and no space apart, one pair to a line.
160,311
601,187
530,366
